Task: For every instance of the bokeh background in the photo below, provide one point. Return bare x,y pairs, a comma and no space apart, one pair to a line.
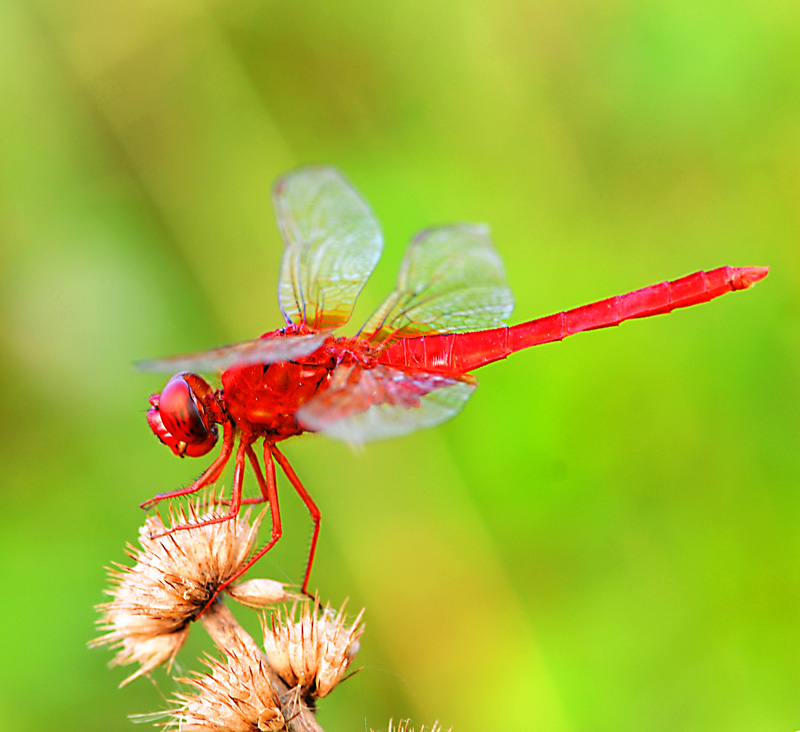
607,537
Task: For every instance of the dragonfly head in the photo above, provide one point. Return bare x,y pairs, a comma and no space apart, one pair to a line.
179,418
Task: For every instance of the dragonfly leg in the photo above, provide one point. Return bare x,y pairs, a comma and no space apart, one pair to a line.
264,497
310,505
263,487
236,500
210,475
271,496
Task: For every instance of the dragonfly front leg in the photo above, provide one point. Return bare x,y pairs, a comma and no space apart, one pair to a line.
316,516
210,475
236,498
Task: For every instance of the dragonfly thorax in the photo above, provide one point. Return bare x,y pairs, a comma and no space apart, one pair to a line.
263,400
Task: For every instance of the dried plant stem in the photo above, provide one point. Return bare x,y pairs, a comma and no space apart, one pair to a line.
226,632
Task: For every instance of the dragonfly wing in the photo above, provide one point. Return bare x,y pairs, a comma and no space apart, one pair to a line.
260,350
333,243
451,280
361,405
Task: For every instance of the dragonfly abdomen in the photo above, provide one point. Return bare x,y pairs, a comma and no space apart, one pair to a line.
459,353
657,299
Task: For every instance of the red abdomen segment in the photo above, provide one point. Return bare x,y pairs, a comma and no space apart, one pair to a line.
463,352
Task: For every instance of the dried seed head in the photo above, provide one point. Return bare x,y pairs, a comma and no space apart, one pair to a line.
314,652
259,593
173,579
233,697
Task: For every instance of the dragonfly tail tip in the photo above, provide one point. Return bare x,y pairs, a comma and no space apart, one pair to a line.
747,276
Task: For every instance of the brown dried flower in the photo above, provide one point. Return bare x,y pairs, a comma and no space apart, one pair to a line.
173,579
234,697
260,593
314,652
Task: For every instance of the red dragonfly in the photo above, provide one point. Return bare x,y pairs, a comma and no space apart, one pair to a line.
408,367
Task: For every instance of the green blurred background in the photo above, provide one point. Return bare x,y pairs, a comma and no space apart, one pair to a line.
608,537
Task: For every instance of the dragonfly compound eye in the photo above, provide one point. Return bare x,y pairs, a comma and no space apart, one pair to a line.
182,413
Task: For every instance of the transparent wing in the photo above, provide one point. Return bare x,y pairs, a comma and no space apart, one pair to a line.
260,350
451,280
362,405
333,243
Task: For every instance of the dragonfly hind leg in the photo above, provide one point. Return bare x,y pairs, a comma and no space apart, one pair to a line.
316,516
209,476
271,496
